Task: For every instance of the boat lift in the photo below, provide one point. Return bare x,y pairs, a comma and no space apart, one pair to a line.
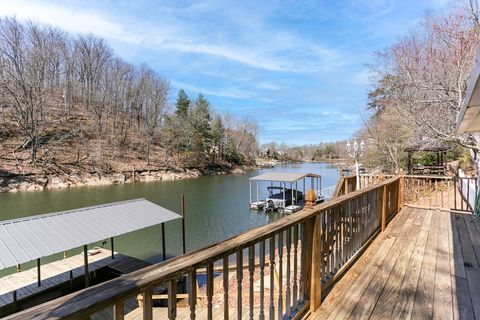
284,194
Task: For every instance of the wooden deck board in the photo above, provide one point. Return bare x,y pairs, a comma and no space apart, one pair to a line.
403,307
430,270
472,268
442,307
366,304
384,306
371,261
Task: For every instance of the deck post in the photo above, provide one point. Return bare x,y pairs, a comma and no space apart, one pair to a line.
401,191
164,251
284,201
111,245
316,264
39,279
85,262
183,225
383,212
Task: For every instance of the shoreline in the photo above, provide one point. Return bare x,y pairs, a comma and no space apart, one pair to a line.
32,182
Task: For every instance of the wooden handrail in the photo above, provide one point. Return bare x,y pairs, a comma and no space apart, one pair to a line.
418,176
83,303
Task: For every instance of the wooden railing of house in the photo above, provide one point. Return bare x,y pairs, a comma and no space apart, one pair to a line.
345,185
309,250
452,193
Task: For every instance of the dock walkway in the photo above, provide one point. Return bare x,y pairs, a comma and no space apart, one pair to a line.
425,265
55,273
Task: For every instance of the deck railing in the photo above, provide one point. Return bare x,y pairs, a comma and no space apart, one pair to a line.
345,185
279,270
453,193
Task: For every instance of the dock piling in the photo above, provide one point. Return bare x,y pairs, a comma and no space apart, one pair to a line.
164,253
85,261
111,244
183,224
39,279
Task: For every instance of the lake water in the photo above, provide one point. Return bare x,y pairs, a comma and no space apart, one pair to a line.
217,208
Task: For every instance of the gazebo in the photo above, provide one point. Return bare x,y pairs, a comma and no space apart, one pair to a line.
428,145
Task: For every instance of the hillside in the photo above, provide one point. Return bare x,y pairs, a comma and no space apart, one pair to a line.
72,113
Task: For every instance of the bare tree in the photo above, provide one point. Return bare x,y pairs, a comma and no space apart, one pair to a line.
424,76
25,53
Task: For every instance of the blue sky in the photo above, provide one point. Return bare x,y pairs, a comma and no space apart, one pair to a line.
297,67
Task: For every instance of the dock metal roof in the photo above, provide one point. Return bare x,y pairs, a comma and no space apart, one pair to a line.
34,237
289,177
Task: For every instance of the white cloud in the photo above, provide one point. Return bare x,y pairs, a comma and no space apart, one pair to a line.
229,92
66,18
361,78
268,86
263,48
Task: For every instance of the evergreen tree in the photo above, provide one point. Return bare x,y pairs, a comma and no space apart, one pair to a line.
182,104
202,118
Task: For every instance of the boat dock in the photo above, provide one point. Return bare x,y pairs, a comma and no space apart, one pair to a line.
24,284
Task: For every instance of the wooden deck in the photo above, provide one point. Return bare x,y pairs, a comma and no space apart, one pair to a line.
58,272
425,265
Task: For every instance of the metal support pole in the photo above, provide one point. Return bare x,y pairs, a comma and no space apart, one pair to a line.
357,185
250,183
296,191
39,278
112,247
85,262
291,188
257,193
183,224
164,251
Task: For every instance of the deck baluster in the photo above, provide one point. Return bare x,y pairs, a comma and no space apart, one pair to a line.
295,267
239,283
288,292
261,315
272,277
280,276
147,304
209,290
301,285
337,238
118,311
251,271
225,288
192,293
448,195
172,299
